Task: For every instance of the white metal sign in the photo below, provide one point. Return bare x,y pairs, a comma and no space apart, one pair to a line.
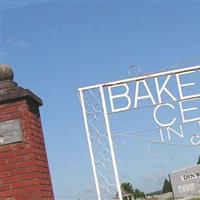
176,92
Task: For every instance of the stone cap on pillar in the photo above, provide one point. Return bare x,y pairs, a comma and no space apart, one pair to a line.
10,91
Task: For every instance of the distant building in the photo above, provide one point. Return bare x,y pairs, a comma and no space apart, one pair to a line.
160,196
125,194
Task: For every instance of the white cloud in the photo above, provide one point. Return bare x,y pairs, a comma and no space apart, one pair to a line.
22,3
21,44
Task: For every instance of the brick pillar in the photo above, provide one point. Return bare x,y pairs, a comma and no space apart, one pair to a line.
24,171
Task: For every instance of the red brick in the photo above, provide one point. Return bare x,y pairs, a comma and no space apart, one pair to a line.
24,170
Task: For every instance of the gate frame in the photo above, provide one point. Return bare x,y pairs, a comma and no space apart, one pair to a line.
109,135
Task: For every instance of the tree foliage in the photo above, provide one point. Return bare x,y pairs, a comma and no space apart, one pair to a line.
198,162
167,187
136,193
139,194
128,187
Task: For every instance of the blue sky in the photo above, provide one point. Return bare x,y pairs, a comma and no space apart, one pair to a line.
55,47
